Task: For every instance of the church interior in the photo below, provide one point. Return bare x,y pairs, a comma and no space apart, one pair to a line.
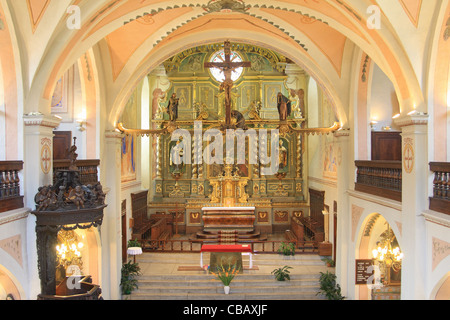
144,130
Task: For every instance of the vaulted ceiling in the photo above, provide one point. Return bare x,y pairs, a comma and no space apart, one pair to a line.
140,34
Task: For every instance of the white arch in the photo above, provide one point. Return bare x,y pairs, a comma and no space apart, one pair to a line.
161,54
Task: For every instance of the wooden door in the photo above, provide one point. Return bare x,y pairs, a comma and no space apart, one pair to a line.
62,141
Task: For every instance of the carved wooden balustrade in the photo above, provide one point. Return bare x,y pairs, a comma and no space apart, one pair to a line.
88,170
441,187
380,178
10,198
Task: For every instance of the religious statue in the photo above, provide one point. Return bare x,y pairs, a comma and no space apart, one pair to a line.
172,107
76,196
44,198
227,67
283,157
176,156
73,156
240,120
283,106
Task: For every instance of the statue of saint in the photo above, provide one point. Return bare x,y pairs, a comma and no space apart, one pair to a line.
172,107
284,106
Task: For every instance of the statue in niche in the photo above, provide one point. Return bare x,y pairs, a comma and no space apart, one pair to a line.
172,107
176,156
283,106
283,156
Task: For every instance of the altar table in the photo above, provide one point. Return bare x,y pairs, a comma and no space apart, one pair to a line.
246,249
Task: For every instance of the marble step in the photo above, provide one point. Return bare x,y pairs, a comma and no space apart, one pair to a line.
232,296
258,259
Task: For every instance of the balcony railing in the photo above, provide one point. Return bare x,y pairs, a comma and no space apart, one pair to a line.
441,187
380,178
10,198
88,170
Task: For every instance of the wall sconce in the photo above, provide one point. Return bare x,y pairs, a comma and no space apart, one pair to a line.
81,125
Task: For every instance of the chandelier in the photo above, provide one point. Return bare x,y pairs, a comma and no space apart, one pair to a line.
387,253
68,249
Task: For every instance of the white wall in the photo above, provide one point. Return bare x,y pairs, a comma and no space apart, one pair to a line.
382,103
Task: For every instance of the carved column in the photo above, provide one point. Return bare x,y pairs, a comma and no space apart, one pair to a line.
299,167
46,241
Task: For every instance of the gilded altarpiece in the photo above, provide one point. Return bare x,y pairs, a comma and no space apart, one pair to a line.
197,184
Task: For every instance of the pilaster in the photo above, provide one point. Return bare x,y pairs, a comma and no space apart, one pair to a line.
37,172
414,201
344,258
111,232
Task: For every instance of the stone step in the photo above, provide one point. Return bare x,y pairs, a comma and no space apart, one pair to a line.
207,277
217,287
232,296
258,259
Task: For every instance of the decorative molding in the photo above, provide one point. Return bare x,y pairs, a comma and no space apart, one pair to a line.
440,251
330,183
41,120
437,218
356,215
377,200
14,215
13,246
410,120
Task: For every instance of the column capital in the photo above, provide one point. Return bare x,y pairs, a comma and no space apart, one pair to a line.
113,134
344,132
41,120
415,119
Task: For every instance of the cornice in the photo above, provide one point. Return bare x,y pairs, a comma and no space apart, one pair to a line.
411,120
14,215
40,120
437,217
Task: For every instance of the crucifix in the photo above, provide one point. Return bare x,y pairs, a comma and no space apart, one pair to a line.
227,66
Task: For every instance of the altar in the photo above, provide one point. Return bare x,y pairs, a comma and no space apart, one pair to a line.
241,219
226,255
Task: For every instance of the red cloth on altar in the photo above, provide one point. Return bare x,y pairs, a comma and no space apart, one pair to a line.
226,248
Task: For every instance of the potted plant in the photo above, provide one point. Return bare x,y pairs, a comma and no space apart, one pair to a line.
329,287
287,249
282,274
134,244
128,281
226,275
329,262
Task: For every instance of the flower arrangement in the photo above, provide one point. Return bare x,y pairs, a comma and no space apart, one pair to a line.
226,274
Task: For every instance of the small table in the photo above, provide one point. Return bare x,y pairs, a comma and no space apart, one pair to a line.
227,248
134,251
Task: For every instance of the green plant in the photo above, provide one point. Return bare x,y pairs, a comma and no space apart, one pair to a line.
287,249
226,275
282,274
329,286
128,281
329,262
133,243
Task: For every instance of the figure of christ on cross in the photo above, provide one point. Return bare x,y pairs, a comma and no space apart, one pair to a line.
227,66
